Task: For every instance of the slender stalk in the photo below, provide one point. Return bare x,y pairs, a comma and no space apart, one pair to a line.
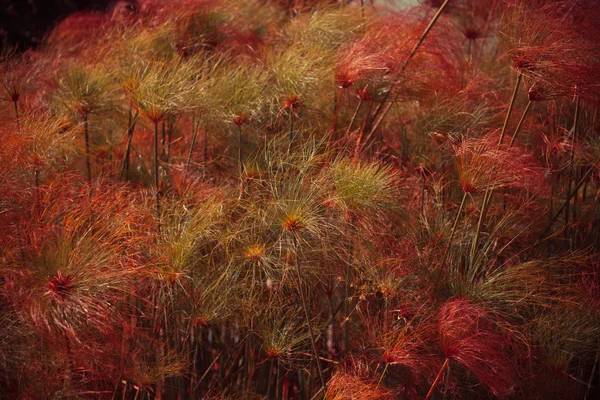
569,197
270,376
423,182
510,107
318,393
589,384
115,390
240,162
360,101
443,263
163,136
470,42
337,110
195,126
87,148
170,127
482,214
246,365
404,66
36,176
383,374
571,160
69,363
205,145
240,151
306,313
512,139
437,378
291,134
347,297
362,131
130,129
490,191
277,378
156,179
16,112
209,368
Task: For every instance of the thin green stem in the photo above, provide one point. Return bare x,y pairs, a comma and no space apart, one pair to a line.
306,313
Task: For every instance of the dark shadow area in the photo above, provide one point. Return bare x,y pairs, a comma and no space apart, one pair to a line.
23,23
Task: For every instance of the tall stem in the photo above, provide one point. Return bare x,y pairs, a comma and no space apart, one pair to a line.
163,136
16,112
205,145
170,128
589,383
195,126
240,150
383,374
490,190
571,159
291,134
510,107
360,101
337,110
437,378
156,194
422,192
270,376
482,214
87,148
405,65
306,313
518,128
569,197
362,131
130,129
443,263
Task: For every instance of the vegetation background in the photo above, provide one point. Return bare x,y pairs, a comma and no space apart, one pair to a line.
301,199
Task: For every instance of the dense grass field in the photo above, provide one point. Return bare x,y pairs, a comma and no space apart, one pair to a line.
253,199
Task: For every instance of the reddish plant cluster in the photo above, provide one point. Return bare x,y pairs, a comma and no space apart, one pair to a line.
303,199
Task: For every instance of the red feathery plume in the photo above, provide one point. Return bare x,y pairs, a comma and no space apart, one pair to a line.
353,382
555,43
482,164
78,32
362,60
467,335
